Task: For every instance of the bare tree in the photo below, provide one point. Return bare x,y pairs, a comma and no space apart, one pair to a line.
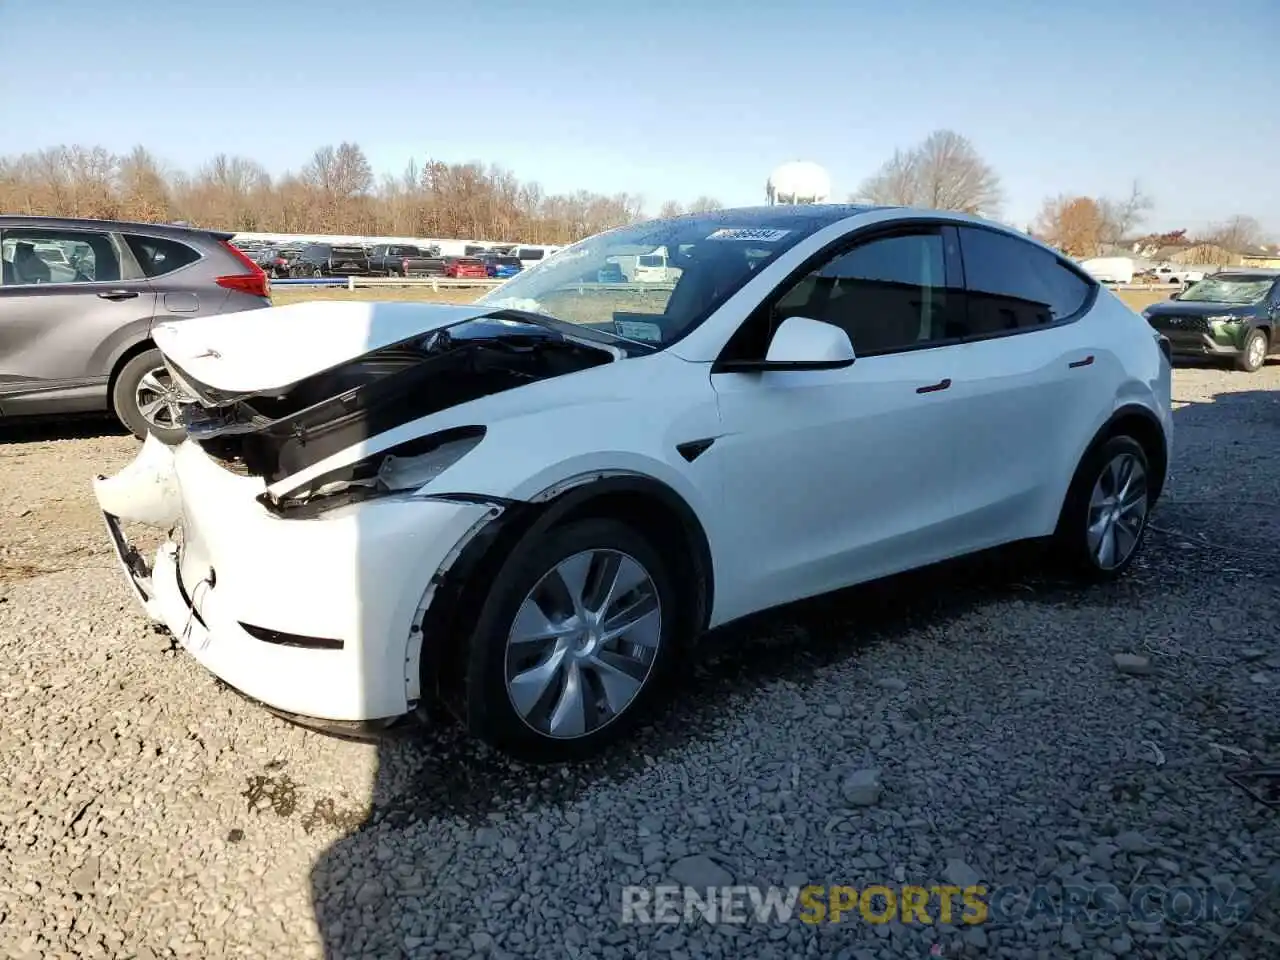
1121,217
943,172
670,209
705,204
144,192
1237,234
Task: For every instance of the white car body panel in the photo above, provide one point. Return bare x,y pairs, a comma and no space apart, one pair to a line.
243,353
814,479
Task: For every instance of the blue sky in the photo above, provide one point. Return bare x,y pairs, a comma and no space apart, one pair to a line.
675,98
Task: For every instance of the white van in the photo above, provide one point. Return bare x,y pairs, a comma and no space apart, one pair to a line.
531,256
652,267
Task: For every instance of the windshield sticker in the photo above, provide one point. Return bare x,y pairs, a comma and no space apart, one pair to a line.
748,235
638,330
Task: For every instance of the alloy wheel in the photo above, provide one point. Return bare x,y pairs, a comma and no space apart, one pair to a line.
583,643
1117,511
1257,351
159,399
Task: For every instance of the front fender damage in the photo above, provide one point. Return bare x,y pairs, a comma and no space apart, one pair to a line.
146,490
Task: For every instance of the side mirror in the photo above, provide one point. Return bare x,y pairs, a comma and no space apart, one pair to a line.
798,344
809,344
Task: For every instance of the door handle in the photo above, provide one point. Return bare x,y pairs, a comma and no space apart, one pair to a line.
935,387
118,294
1087,361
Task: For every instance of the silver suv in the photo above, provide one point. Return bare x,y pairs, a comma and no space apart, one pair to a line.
77,302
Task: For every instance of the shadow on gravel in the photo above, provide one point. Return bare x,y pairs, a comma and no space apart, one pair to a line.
45,429
439,773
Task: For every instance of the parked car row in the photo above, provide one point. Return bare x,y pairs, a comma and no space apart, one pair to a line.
317,260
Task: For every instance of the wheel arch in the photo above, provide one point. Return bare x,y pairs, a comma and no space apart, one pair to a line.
1141,423
133,350
650,506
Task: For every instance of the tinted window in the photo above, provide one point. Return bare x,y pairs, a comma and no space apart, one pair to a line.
888,294
157,257
1014,285
90,257
526,253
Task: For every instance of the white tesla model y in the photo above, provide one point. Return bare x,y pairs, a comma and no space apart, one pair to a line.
528,507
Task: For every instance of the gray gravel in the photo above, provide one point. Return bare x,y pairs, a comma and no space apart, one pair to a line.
979,726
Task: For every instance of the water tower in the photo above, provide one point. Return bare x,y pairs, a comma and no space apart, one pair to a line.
798,181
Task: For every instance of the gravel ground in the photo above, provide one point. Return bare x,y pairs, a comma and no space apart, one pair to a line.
147,811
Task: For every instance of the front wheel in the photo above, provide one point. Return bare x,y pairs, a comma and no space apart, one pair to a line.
575,641
1254,354
146,399
1104,519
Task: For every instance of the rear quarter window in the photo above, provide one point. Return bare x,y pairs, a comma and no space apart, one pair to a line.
157,256
1014,285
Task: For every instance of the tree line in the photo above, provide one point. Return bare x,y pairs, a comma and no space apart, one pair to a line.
337,192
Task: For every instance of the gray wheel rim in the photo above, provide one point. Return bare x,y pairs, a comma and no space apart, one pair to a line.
1117,511
1257,351
583,644
159,399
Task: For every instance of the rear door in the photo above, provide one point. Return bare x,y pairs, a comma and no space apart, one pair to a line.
62,326
1035,377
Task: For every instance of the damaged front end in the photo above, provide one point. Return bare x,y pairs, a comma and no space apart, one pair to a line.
323,619
276,434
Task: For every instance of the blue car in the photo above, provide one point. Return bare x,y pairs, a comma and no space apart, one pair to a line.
610,273
501,268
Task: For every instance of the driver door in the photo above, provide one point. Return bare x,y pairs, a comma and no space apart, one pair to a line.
834,477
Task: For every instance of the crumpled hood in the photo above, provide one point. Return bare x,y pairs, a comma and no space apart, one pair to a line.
258,351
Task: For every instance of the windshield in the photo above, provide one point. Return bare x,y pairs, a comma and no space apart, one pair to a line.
1237,290
596,281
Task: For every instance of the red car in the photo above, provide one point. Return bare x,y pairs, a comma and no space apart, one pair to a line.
465,268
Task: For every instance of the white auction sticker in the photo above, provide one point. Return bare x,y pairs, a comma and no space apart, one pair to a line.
638,330
749,235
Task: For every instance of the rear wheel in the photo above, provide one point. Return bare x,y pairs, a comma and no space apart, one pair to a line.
1104,520
147,400
1254,354
574,643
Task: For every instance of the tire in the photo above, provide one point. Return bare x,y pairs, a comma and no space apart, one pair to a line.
488,707
1253,356
129,397
317,273
1073,545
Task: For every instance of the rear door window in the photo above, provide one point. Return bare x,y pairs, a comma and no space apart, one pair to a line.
90,257
1013,285
157,256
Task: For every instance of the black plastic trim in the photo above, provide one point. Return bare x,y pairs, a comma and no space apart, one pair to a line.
763,366
691,450
291,639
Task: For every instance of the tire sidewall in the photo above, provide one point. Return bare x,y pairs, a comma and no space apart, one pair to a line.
488,711
1072,533
124,398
